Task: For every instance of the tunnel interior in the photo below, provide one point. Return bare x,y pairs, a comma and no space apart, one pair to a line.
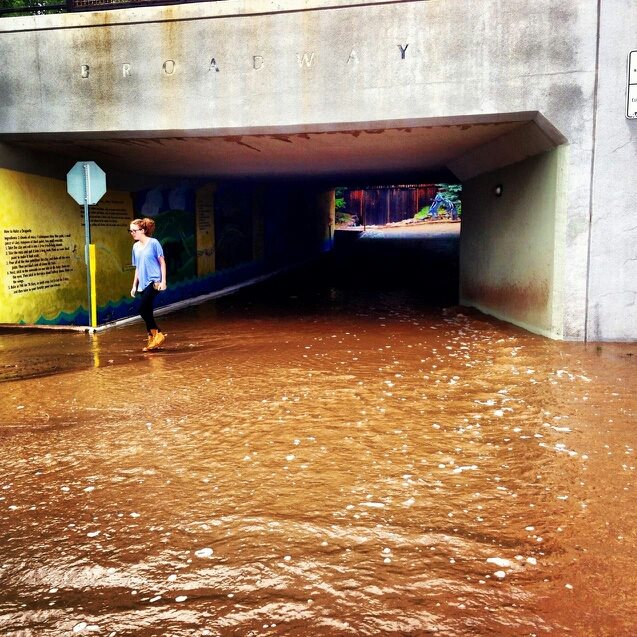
476,151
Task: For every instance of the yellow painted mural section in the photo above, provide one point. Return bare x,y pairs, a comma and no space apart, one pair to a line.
205,229
110,220
42,256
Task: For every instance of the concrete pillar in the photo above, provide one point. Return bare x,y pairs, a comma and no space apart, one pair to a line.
508,244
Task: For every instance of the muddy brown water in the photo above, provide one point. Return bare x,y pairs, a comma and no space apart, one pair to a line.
319,460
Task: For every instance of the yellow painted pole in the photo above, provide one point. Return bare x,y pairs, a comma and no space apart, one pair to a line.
91,256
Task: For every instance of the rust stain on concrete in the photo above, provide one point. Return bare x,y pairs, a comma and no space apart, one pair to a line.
522,301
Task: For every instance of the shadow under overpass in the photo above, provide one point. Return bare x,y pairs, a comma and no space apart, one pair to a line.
418,258
380,268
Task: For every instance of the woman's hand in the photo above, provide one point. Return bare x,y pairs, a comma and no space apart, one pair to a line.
161,286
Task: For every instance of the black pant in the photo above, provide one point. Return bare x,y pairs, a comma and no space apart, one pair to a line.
146,307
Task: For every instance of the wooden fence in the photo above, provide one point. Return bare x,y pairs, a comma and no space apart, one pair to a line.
380,205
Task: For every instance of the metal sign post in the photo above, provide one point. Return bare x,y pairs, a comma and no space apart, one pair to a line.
86,183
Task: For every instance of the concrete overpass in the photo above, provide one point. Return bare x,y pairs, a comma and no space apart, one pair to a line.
527,96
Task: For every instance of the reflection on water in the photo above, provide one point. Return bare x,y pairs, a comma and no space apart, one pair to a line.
317,461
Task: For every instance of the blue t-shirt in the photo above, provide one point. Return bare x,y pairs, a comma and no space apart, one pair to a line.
146,260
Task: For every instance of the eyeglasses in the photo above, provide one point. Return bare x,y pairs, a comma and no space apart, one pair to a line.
134,230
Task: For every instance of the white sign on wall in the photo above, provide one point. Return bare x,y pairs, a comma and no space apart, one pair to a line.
631,93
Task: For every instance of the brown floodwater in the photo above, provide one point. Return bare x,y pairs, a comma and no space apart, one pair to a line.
317,460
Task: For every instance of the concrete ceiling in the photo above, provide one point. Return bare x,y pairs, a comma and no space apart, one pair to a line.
341,156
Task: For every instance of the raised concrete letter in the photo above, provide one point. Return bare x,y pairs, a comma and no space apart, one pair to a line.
257,61
169,67
125,70
352,57
305,59
84,70
403,50
213,66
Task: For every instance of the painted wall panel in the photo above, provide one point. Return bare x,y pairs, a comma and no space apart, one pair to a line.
507,243
42,262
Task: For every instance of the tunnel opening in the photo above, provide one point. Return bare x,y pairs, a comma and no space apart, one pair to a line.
285,184
402,236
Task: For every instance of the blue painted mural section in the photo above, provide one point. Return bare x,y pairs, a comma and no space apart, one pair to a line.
258,228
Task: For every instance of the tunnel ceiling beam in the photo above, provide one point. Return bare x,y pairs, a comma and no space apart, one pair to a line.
371,151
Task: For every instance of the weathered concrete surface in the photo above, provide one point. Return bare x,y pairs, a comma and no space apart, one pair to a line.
612,291
244,67
517,280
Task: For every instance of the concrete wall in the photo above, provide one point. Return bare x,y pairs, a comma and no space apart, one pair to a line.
612,289
507,245
248,65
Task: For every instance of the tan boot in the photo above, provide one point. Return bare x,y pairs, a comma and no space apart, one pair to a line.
158,339
151,337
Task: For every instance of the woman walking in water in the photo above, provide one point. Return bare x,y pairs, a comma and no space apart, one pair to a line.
150,276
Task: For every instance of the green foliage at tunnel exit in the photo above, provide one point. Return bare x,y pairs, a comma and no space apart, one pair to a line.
452,192
340,206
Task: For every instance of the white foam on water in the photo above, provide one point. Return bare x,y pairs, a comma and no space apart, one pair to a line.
471,467
499,561
82,626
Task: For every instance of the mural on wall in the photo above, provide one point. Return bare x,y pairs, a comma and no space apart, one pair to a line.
205,230
173,210
179,211
109,220
214,236
42,264
233,210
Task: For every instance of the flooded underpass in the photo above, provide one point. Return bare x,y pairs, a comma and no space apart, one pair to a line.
314,457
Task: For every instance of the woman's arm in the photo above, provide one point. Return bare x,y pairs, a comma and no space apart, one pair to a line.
162,265
133,290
